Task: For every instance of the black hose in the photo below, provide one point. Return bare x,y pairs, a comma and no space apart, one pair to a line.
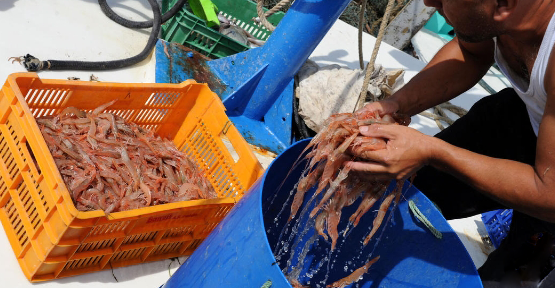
136,24
34,65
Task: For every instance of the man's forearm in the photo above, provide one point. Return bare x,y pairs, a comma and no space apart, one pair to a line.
451,72
512,183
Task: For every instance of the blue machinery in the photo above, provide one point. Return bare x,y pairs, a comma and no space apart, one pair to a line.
256,86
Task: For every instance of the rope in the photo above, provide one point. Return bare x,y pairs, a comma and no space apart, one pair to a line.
276,8
453,108
370,66
416,212
267,284
262,15
360,23
439,113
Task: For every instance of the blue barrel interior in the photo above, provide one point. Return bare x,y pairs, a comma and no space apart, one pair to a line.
239,252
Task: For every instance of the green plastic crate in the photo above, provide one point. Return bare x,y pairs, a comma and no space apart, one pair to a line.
242,13
187,29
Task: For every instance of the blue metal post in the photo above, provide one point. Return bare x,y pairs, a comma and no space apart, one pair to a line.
260,80
290,45
256,86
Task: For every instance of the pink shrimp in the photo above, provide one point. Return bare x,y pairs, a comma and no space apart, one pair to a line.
295,284
331,148
368,201
113,125
102,107
304,184
125,159
52,141
110,164
168,171
331,167
188,191
331,124
355,276
82,184
74,111
343,147
379,217
76,121
146,191
320,222
333,187
103,127
333,221
92,133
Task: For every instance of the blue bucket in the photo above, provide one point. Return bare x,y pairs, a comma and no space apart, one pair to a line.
239,251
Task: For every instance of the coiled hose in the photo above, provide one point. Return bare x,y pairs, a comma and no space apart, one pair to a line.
135,24
33,64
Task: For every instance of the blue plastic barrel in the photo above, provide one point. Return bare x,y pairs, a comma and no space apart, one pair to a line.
239,251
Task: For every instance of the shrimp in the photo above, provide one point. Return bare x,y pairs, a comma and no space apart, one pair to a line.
146,191
326,155
103,128
296,284
74,111
333,187
379,217
48,123
189,191
110,164
78,121
168,171
320,222
110,117
368,201
102,107
53,142
303,186
355,276
333,220
331,167
127,162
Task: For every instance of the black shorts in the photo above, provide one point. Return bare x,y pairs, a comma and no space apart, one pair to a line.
497,126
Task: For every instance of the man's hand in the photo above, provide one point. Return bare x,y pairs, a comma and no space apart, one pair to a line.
407,150
381,107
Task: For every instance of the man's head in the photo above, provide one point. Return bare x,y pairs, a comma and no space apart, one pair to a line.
475,20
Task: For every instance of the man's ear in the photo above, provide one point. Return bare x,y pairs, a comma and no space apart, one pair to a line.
503,9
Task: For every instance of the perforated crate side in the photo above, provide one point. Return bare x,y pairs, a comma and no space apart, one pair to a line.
497,224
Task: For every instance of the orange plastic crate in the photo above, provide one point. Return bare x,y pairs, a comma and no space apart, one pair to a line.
50,237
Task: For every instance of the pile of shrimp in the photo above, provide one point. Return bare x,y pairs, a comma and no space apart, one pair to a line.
110,164
339,188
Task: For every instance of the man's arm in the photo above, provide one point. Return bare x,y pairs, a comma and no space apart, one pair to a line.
454,69
528,189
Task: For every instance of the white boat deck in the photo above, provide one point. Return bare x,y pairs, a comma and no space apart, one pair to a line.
77,30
